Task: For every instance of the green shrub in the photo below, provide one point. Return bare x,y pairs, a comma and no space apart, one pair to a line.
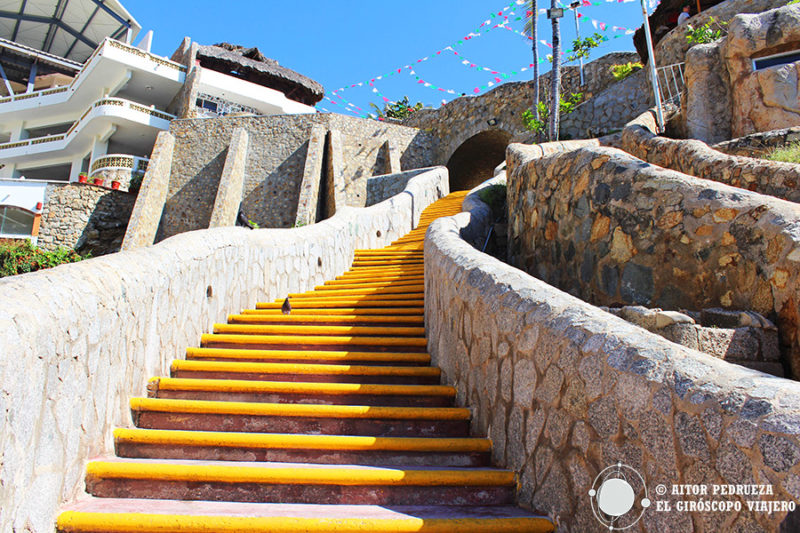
788,154
22,257
566,106
399,110
707,33
495,197
135,183
620,72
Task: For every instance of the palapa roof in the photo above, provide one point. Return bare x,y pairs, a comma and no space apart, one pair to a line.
251,65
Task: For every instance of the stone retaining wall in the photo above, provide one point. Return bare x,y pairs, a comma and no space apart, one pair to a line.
84,217
565,390
468,116
696,158
610,229
276,160
81,339
760,144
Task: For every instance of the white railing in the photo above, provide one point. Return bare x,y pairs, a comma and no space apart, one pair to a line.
119,161
671,83
104,102
80,75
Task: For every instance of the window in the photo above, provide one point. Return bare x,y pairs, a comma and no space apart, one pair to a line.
15,221
775,60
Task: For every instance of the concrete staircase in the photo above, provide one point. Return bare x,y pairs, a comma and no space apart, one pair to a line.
326,419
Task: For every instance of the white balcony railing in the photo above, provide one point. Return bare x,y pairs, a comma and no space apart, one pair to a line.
137,165
79,77
102,107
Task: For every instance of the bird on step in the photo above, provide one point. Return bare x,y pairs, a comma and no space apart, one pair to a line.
286,308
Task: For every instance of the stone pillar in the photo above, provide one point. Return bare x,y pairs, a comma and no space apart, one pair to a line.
337,196
146,214
75,169
392,157
707,105
312,177
231,184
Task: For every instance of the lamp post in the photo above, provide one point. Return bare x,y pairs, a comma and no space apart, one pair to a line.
653,72
574,7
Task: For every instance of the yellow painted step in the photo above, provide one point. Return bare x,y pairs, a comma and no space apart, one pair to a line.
365,284
342,291
354,311
382,319
303,369
314,340
298,410
279,475
298,329
296,387
345,302
299,355
83,522
303,442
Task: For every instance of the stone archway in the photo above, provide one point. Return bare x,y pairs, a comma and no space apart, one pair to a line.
475,160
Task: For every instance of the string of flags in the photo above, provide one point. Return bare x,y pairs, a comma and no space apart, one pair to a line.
497,20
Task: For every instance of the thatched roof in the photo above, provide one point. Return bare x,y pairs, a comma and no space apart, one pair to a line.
251,65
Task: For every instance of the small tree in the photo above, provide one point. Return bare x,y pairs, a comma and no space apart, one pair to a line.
581,48
399,110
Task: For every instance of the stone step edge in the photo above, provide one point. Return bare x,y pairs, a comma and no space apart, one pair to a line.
296,387
166,405
300,442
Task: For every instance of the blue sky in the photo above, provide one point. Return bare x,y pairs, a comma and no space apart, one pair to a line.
345,42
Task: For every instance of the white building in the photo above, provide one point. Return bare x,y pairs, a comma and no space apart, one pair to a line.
78,98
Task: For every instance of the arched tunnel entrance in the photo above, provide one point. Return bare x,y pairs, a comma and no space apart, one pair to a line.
475,160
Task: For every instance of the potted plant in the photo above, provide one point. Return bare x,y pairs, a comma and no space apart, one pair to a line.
82,177
115,185
98,181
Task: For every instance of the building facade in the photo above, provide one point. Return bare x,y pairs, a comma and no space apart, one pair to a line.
67,117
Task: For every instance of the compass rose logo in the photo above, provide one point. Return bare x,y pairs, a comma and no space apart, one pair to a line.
619,497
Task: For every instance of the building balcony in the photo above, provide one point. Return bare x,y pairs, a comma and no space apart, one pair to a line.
103,114
134,73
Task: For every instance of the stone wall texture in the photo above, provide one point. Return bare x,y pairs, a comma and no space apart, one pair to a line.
725,96
673,46
759,144
275,164
468,116
565,390
610,110
611,229
769,98
379,188
781,180
87,218
85,337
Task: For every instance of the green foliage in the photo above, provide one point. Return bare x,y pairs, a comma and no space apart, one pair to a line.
566,106
22,257
531,123
793,2
495,197
707,33
788,154
135,183
620,72
400,109
581,48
